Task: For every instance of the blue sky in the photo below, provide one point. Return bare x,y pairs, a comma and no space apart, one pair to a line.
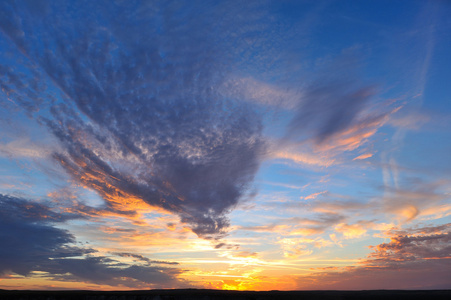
250,145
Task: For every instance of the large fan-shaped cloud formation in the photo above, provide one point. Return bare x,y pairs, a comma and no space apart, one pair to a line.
133,99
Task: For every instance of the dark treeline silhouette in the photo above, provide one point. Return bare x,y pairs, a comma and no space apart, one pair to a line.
192,294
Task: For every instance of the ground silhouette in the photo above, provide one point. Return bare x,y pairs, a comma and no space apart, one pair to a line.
194,294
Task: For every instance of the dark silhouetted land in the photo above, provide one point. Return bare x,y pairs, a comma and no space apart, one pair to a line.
193,294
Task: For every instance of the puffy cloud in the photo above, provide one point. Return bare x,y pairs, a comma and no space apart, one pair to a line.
139,111
292,248
350,231
420,244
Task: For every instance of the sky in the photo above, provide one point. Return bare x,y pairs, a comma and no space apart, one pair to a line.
250,145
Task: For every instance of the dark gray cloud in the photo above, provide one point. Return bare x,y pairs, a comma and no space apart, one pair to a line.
102,270
145,259
30,242
28,238
134,99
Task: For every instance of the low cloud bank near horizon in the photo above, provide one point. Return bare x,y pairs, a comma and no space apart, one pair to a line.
399,264
31,242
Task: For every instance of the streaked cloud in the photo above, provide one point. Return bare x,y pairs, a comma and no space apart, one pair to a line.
305,158
327,110
363,156
23,148
314,195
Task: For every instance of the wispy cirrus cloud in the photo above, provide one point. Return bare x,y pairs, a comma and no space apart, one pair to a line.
297,226
332,116
23,148
327,110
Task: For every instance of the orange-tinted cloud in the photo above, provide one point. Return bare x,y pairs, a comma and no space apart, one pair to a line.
363,156
416,258
408,204
351,231
314,195
304,158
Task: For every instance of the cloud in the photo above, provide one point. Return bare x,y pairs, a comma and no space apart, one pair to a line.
28,238
305,145
264,228
299,226
413,259
293,248
31,242
303,158
328,109
411,120
336,111
350,231
102,270
360,228
422,244
23,148
363,156
261,93
338,206
145,259
417,199
314,195
138,107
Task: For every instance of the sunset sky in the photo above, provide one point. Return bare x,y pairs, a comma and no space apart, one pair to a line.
251,145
